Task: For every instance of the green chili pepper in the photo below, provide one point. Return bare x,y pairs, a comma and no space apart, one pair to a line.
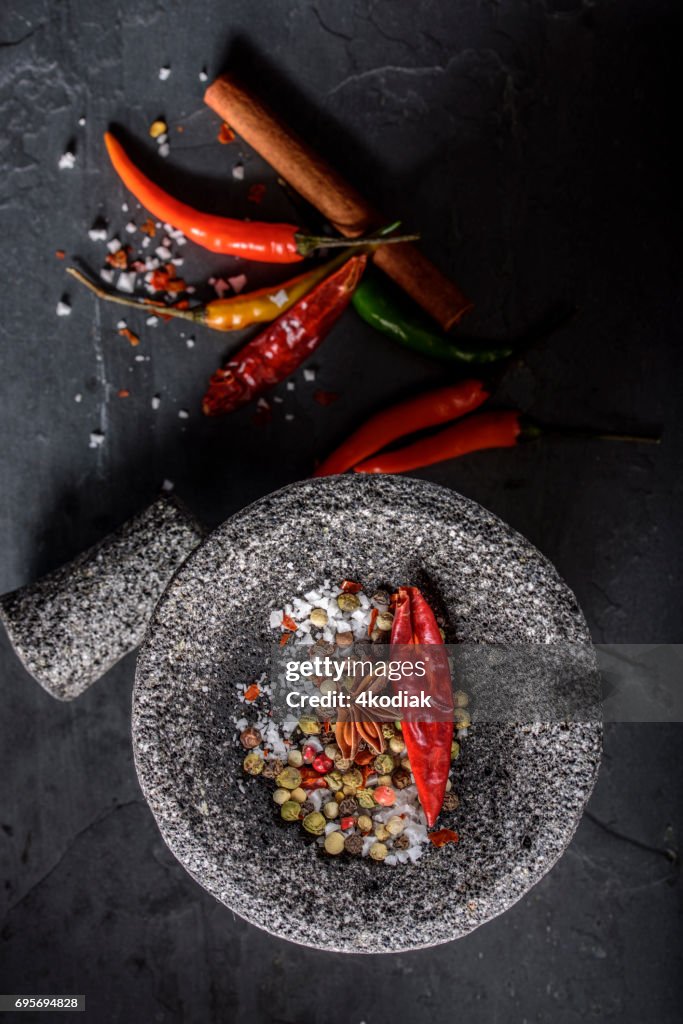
376,303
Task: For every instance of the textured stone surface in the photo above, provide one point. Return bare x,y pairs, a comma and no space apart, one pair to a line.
532,143
73,624
522,788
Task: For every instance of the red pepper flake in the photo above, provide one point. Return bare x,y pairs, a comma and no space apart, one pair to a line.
256,193
148,228
347,822
118,259
125,332
317,783
124,393
325,398
443,836
60,254
252,692
367,770
285,638
225,134
350,587
289,623
373,619
183,304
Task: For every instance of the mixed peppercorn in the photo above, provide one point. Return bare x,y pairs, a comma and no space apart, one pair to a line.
359,793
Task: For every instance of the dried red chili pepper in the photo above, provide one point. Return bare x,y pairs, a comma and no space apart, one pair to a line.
351,587
427,410
289,623
254,240
428,744
285,344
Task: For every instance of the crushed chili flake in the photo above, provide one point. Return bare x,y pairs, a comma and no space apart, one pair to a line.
373,619
351,587
119,258
256,193
364,757
252,692
285,638
325,397
443,836
289,623
123,393
225,134
148,228
125,332
60,254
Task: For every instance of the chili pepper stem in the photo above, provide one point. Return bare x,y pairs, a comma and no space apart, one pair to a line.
196,316
531,430
306,244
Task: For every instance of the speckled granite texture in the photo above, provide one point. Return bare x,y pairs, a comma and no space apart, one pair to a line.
72,625
523,788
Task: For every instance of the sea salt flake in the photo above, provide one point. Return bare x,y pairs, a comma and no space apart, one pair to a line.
67,161
279,298
167,486
183,414
309,375
238,172
190,342
96,439
97,234
107,276
164,72
152,321
156,401
63,308
126,283
164,150
203,77
131,228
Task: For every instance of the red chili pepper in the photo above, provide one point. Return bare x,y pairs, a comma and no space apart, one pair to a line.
427,410
254,240
285,344
428,743
485,430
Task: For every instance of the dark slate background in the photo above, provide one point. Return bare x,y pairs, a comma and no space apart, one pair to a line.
532,144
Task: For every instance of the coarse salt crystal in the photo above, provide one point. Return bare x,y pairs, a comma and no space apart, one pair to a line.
163,253
279,298
164,72
309,375
167,486
203,77
161,139
183,414
107,276
113,245
131,227
289,416
146,241
81,121
152,321
124,207
78,397
156,401
190,342
96,439
97,234
164,150
67,161
290,385
121,325
126,283
63,308
238,172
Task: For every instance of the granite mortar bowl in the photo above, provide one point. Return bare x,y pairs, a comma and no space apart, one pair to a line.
522,787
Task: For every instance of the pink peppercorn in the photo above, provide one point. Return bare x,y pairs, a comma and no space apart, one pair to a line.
309,753
323,764
385,795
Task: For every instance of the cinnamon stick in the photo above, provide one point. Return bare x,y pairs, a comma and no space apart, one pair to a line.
339,202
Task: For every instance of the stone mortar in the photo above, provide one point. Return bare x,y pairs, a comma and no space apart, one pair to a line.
522,787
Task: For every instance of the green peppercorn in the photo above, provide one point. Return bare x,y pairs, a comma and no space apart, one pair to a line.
253,763
334,781
334,843
462,719
309,725
460,699
290,810
289,778
314,823
455,750
384,764
365,798
396,745
353,778
348,602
